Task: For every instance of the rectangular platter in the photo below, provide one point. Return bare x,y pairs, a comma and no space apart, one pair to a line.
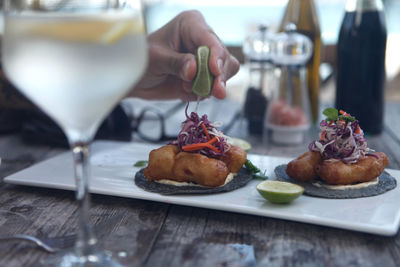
113,174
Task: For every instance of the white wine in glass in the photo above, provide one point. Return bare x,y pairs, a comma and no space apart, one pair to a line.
75,60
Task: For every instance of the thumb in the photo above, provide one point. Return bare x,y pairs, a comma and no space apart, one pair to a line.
165,61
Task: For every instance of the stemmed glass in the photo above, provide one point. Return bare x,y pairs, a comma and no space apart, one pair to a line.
75,59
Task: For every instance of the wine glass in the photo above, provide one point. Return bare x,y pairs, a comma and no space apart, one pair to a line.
76,60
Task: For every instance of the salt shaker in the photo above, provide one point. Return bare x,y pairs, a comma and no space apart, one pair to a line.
288,115
257,48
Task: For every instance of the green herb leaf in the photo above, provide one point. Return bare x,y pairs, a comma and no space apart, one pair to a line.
141,163
255,171
332,114
347,118
260,176
251,167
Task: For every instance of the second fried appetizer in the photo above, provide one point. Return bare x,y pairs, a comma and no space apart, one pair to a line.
341,155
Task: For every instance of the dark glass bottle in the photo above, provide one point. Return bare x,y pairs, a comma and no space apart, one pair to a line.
361,63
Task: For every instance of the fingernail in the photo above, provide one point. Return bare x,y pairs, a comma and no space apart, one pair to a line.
186,70
220,65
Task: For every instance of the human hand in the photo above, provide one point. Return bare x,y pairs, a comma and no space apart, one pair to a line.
172,63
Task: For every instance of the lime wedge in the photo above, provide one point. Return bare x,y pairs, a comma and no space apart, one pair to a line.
279,192
240,143
203,81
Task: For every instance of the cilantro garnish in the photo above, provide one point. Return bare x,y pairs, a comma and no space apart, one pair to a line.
255,171
347,118
251,167
332,114
141,163
260,176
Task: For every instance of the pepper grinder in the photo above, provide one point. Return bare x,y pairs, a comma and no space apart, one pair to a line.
257,48
288,115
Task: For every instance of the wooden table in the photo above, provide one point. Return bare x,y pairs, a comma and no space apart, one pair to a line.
157,234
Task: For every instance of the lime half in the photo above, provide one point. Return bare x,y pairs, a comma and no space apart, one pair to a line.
240,143
279,192
203,81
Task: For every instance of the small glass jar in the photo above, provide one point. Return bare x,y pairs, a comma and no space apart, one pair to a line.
288,114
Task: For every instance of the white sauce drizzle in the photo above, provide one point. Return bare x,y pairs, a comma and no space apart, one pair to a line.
175,183
350,186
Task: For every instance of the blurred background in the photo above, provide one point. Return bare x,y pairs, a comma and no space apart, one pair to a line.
234,20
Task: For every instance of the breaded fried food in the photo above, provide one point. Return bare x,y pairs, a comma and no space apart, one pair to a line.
197,168
336,172
234,158
169,163
302,168
161,163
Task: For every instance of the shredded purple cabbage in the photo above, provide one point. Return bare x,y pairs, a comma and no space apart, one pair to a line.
340,141
193,133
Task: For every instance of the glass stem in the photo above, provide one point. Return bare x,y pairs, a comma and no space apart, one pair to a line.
86,240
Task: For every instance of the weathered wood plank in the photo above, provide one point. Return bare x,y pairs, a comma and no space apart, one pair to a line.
131,224
199,237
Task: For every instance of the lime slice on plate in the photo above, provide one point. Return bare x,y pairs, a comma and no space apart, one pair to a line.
279,192
203,81
240,143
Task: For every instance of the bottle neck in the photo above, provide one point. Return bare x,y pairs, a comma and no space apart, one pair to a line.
363,5
302,13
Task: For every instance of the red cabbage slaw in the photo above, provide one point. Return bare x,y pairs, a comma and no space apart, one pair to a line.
342,140
192,132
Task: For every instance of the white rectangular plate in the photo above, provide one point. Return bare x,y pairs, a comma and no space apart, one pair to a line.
113,174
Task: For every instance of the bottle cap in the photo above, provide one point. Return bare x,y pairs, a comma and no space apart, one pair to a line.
257,46
291,48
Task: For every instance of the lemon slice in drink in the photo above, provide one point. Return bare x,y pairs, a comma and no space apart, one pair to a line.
107,31
117,31
279,192
203,81
240,143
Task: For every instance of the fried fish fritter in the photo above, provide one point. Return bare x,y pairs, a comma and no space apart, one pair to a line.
194,167
336,172
302,168
234,158
168,162
161,163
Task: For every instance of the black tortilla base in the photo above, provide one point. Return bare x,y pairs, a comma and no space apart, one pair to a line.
386,183
240,180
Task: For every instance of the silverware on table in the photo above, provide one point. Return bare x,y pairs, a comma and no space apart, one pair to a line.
49,244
